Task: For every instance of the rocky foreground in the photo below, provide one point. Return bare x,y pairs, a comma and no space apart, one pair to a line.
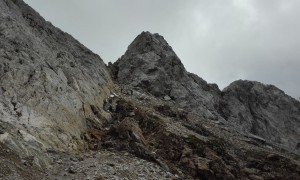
64,114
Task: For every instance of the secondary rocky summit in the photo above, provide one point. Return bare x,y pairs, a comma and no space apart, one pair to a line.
65,115
263,110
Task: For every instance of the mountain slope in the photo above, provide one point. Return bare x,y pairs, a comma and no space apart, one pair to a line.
49,82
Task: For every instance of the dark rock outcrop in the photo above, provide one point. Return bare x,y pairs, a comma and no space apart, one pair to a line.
263,110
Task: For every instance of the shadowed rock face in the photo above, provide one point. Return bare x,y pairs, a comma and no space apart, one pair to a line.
263,110
151,64
48,82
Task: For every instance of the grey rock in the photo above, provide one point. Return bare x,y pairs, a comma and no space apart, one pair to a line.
71,170
48,82
263,110
151,64
167,98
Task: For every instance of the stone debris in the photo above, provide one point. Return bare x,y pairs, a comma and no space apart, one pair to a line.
109,165
167,98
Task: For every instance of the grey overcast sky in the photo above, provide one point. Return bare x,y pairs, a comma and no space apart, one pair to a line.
220,40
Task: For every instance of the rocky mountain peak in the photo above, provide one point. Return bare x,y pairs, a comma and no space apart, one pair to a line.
263,110
151,65
246,85
147,42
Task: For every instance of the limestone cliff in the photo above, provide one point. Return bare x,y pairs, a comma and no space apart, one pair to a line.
48,83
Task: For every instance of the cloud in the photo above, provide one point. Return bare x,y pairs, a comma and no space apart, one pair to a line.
219,40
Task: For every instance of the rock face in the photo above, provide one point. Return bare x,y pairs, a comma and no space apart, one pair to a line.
263,110
49,83
152,65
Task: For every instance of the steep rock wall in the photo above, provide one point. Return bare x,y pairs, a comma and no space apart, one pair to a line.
48,83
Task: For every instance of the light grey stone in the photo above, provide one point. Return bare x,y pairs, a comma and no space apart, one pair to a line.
48,82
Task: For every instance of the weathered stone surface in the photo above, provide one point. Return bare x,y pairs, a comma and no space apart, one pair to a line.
48,82
129,129
263,110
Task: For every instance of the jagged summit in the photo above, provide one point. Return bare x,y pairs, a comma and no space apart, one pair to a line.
152,50
152,65
147,42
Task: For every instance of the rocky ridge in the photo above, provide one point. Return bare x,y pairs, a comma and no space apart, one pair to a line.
247,106
65,115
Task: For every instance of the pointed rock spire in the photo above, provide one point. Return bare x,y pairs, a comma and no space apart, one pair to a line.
147,42
152,65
